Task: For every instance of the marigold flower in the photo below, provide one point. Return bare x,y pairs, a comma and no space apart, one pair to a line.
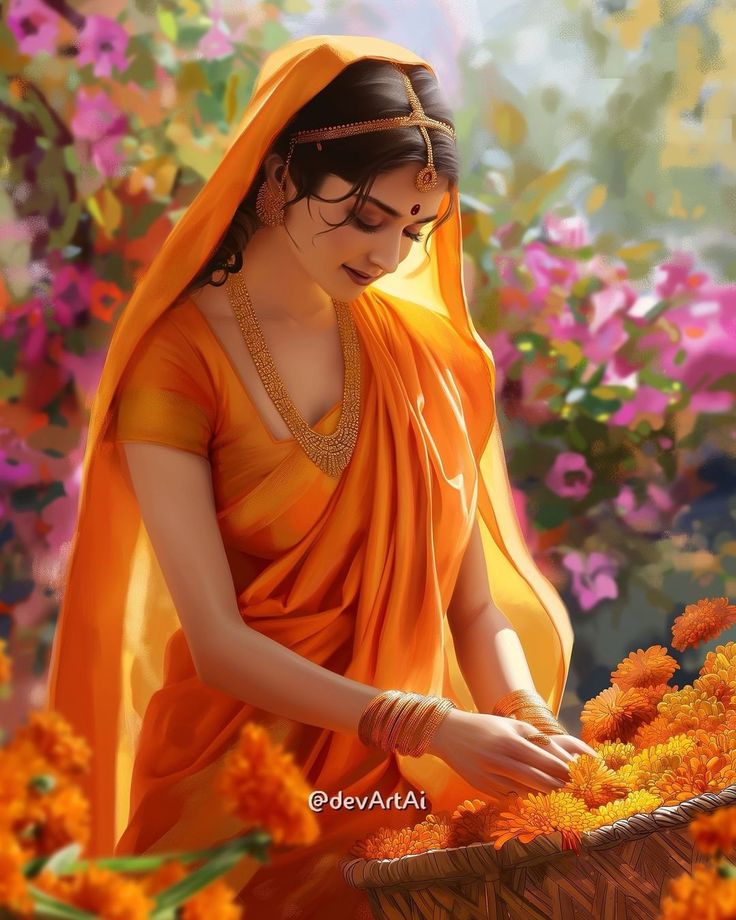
716,831
651,762
614,753
60,817
637,802
215,901
433,833
593,782
644,668
710,767
721,660
472,822
266,789
53,738
715,686
166,875
101,892
539,814
613,715
702,894
6,664
691,708
14,893
658,731
702,621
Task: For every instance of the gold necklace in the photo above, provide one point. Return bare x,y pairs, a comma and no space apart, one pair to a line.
330,452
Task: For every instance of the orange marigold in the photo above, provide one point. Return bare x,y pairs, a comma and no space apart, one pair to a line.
715,832
99,891
691,708
60,816
651,762
710,767
215,901
652,733
53,738
166,875
472,822
13,884
433,833
265,788
702,621
702,894
613,715
593,782
721,660
6,664
648,667
538,814
715,686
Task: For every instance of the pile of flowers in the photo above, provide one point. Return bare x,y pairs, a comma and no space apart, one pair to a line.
45,822
656,744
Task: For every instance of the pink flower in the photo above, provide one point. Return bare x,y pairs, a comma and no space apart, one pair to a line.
647,404
98,122
593,577
547,271
570,232
34,25
103,42
570,476
647,517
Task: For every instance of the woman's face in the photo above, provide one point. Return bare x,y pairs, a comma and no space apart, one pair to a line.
374,243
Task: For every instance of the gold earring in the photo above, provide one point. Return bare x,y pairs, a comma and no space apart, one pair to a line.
270,206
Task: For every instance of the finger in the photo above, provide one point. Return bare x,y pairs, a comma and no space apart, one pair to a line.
549,759
526,774
576,745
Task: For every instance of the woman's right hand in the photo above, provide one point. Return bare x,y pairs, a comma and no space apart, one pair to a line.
493,754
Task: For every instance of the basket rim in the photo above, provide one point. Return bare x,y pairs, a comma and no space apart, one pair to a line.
482,858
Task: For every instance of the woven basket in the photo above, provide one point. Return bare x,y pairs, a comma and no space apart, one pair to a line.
620,873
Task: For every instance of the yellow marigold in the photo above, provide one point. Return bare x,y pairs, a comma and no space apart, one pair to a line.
613,715
715,686
593,782
708,768
99,891
6,664
53,738
637,802
214,902
651,762
472,822
715,832
266,789
721,660
433,833
13,884
702,894
691,708
614,753
538,814
702,621
644,668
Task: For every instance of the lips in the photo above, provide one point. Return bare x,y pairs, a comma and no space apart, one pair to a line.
362,275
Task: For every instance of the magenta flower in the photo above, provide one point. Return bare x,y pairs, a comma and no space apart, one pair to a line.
647,404
101,125
570,476
103,42
34,25
593,577
548,271
647,517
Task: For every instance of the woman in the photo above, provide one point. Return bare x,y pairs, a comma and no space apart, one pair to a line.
251,575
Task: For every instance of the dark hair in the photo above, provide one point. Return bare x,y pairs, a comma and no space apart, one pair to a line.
364,90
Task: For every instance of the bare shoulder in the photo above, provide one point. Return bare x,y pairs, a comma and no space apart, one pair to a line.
212,302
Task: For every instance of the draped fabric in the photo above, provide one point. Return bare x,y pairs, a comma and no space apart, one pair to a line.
354,573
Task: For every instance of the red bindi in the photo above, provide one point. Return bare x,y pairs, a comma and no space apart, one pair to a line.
415,209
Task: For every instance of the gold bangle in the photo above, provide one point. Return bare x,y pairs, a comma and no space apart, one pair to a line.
410,705
414,728
516,698
440,712
368,717
381,717
395,719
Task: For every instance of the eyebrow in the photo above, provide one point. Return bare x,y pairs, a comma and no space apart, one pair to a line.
389,210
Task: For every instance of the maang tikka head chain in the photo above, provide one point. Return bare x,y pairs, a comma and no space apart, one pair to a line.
270,207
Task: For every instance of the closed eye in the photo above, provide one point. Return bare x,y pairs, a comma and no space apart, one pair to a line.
374,228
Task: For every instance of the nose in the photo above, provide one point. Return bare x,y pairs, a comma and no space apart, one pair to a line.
386,253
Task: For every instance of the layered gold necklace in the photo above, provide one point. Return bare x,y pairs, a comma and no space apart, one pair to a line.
330,452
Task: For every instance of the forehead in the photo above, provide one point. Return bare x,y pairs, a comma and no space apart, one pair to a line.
398,189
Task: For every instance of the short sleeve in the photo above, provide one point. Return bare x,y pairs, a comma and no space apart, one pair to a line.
166,393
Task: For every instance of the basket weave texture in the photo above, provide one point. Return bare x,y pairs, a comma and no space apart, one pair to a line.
620,873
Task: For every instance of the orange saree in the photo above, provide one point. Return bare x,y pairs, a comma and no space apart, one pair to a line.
354,573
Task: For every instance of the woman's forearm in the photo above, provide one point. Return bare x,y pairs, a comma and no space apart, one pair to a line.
258,670
492,660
